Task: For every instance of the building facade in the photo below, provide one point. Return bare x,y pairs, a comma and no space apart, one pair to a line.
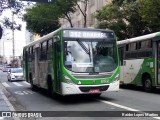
77,17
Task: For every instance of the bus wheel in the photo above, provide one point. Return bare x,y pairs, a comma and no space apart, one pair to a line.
33,87
50,87
147,85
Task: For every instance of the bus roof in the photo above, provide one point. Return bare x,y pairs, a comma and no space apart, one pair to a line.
50,35
140,38
89,29
45,37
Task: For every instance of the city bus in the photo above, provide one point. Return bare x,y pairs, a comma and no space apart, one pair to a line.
140,61
72,61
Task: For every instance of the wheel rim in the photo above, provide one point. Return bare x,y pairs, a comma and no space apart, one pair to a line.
148,83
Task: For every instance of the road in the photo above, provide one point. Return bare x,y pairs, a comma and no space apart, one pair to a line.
24,99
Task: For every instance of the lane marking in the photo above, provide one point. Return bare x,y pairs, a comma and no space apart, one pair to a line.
23,92
26,83
5,84
30,92
17,84
124,107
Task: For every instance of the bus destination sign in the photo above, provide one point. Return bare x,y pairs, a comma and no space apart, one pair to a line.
85,34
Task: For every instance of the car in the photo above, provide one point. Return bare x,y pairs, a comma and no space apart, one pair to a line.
15,74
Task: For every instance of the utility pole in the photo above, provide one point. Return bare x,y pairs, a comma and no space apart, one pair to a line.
13,35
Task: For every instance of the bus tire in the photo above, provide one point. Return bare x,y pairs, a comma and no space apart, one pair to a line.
147,84
33,87
50,87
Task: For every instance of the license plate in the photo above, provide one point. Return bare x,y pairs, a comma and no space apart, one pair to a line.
94,91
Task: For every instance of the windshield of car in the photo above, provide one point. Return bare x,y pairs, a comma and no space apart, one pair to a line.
90,56
16,70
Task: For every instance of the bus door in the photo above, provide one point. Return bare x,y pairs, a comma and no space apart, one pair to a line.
57,68
25,64
158,63
121,56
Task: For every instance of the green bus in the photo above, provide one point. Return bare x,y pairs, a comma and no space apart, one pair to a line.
73,61
140,61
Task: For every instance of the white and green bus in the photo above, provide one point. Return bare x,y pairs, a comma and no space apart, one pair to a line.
140,61
73,61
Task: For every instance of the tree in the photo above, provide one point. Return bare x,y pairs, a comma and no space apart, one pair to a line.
49,14
43,18
64,9
16,7
150,12
126,18
40,19
83,11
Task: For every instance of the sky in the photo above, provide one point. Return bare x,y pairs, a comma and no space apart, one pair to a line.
19,38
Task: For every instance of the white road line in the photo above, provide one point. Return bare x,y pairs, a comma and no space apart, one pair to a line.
30,92
26,83
5,84
17,84
124,107
25,92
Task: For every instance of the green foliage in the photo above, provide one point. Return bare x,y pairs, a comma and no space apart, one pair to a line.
15,6
63,7
43,17
130,18
40,19
150,12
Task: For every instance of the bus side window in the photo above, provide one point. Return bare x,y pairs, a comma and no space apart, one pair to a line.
43,49
127,47
30,54
49,50
121,51
145,50
132,46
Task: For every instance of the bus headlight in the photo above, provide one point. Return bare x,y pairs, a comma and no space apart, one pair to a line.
68,80
116,78
12,76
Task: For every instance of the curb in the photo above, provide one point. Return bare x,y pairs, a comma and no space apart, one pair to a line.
11,108
7,101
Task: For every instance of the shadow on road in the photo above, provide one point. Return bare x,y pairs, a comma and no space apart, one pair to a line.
71,99
139,88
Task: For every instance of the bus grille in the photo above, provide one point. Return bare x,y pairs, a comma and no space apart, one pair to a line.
87,89
91,76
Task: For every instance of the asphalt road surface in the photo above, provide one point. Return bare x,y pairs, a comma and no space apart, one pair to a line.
80,107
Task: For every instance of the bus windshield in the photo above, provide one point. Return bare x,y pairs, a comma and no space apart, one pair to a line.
90,56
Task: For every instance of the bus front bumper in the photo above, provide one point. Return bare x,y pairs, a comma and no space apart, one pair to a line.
70,89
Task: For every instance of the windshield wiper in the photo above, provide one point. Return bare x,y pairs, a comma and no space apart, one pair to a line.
85,48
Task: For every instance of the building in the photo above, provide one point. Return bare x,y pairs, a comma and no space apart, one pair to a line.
77,17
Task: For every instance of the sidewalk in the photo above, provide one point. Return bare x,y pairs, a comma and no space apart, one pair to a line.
5,105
